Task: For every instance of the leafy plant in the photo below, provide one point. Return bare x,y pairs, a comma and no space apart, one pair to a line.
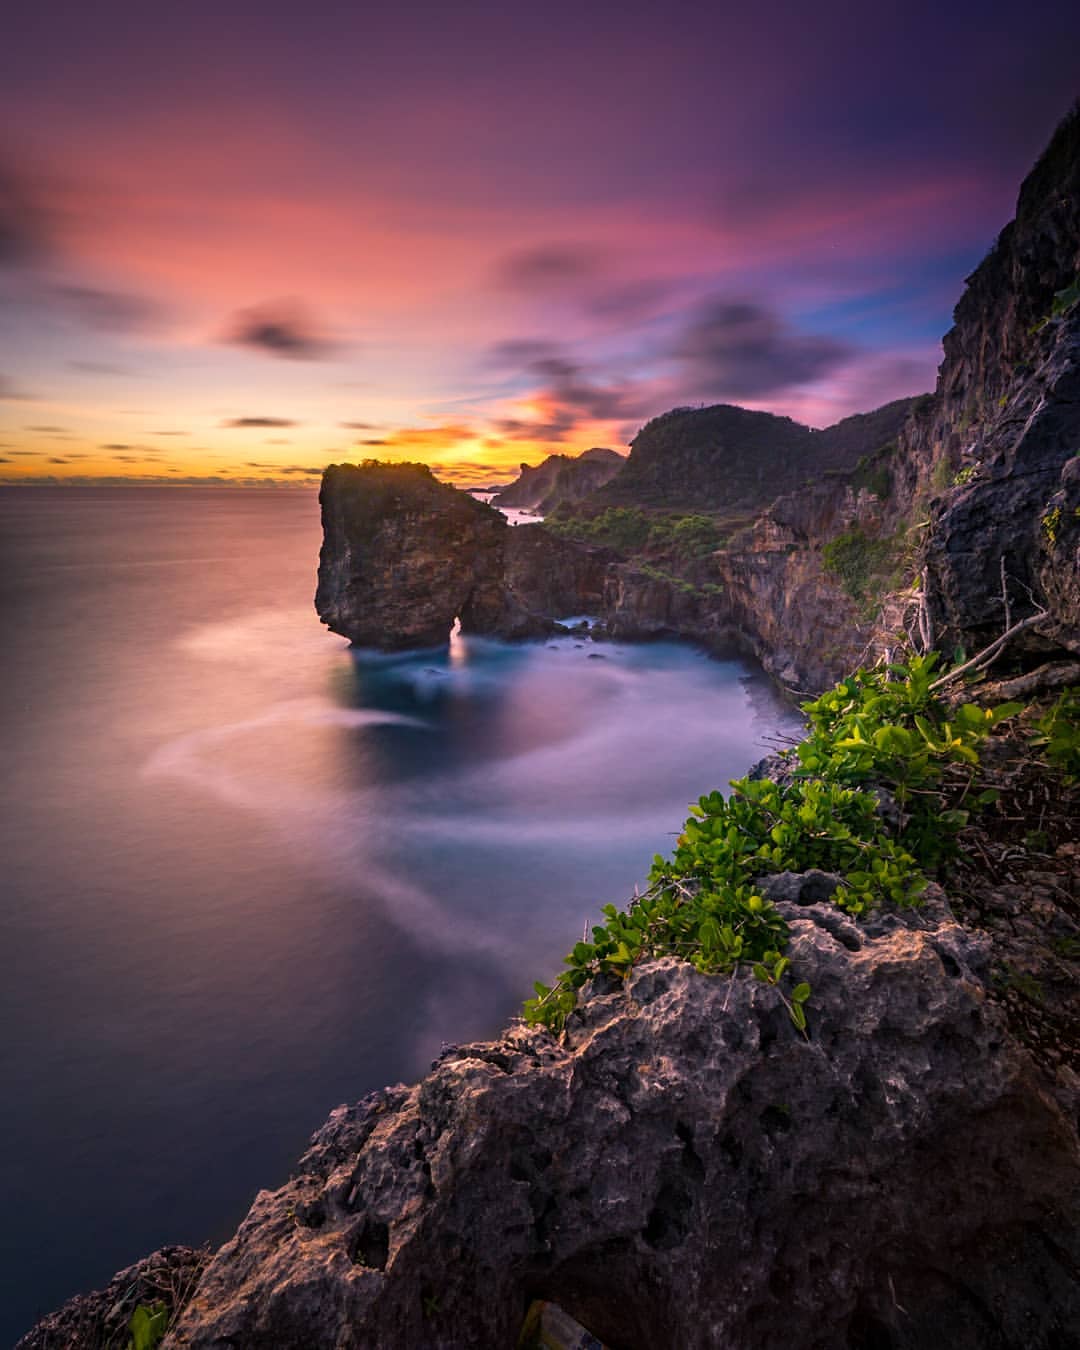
878,729
148,1326
884,726
1058,732
1051,524
857,560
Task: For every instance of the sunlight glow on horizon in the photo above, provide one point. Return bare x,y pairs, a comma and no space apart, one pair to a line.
487,249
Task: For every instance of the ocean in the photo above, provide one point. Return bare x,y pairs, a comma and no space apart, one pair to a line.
249,873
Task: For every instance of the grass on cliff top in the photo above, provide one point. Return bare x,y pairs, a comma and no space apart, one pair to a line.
881,784
639,533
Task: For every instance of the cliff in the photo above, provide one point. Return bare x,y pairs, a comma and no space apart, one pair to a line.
560,479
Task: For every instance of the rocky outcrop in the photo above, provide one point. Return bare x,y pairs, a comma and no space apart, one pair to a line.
405,556
685,1169
560,479
1003,327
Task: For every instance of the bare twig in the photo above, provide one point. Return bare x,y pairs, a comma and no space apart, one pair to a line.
982,659
1005,594
926,625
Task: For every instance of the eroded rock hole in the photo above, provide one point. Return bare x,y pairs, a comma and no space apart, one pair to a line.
369,1244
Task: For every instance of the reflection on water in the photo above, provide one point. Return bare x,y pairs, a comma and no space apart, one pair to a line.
253,874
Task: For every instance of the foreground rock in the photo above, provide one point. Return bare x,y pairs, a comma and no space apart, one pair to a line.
686,1170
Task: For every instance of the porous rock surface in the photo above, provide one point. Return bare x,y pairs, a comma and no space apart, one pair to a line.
684,1169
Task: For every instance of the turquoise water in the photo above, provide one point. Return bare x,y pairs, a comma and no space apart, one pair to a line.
250,874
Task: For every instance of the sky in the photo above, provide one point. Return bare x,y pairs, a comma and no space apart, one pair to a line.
240,241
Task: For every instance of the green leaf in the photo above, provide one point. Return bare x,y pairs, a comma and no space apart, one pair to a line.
148,1325
800,993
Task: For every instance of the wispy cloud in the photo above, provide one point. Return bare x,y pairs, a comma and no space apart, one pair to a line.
280,328
551,265
11,393
106,310
740,349
239,422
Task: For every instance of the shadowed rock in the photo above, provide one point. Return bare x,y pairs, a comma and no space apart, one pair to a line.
685,1169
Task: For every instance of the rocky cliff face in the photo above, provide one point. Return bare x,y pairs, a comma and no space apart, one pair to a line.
559,479
990,459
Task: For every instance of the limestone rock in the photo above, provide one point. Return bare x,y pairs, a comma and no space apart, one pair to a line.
685,1169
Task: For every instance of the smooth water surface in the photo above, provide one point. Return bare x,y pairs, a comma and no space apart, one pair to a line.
248,874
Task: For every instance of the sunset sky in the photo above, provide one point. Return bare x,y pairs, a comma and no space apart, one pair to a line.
244,240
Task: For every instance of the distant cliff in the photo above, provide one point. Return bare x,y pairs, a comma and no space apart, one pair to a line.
736,461
560,479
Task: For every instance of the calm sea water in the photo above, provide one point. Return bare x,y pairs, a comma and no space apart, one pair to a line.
248,874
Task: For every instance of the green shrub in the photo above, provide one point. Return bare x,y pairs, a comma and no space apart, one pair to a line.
884,726
880,728
858,560
872,472
628,529
624,528
1058,733
148,1326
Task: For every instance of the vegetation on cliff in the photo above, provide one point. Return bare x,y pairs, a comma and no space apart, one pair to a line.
639,533
875,796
